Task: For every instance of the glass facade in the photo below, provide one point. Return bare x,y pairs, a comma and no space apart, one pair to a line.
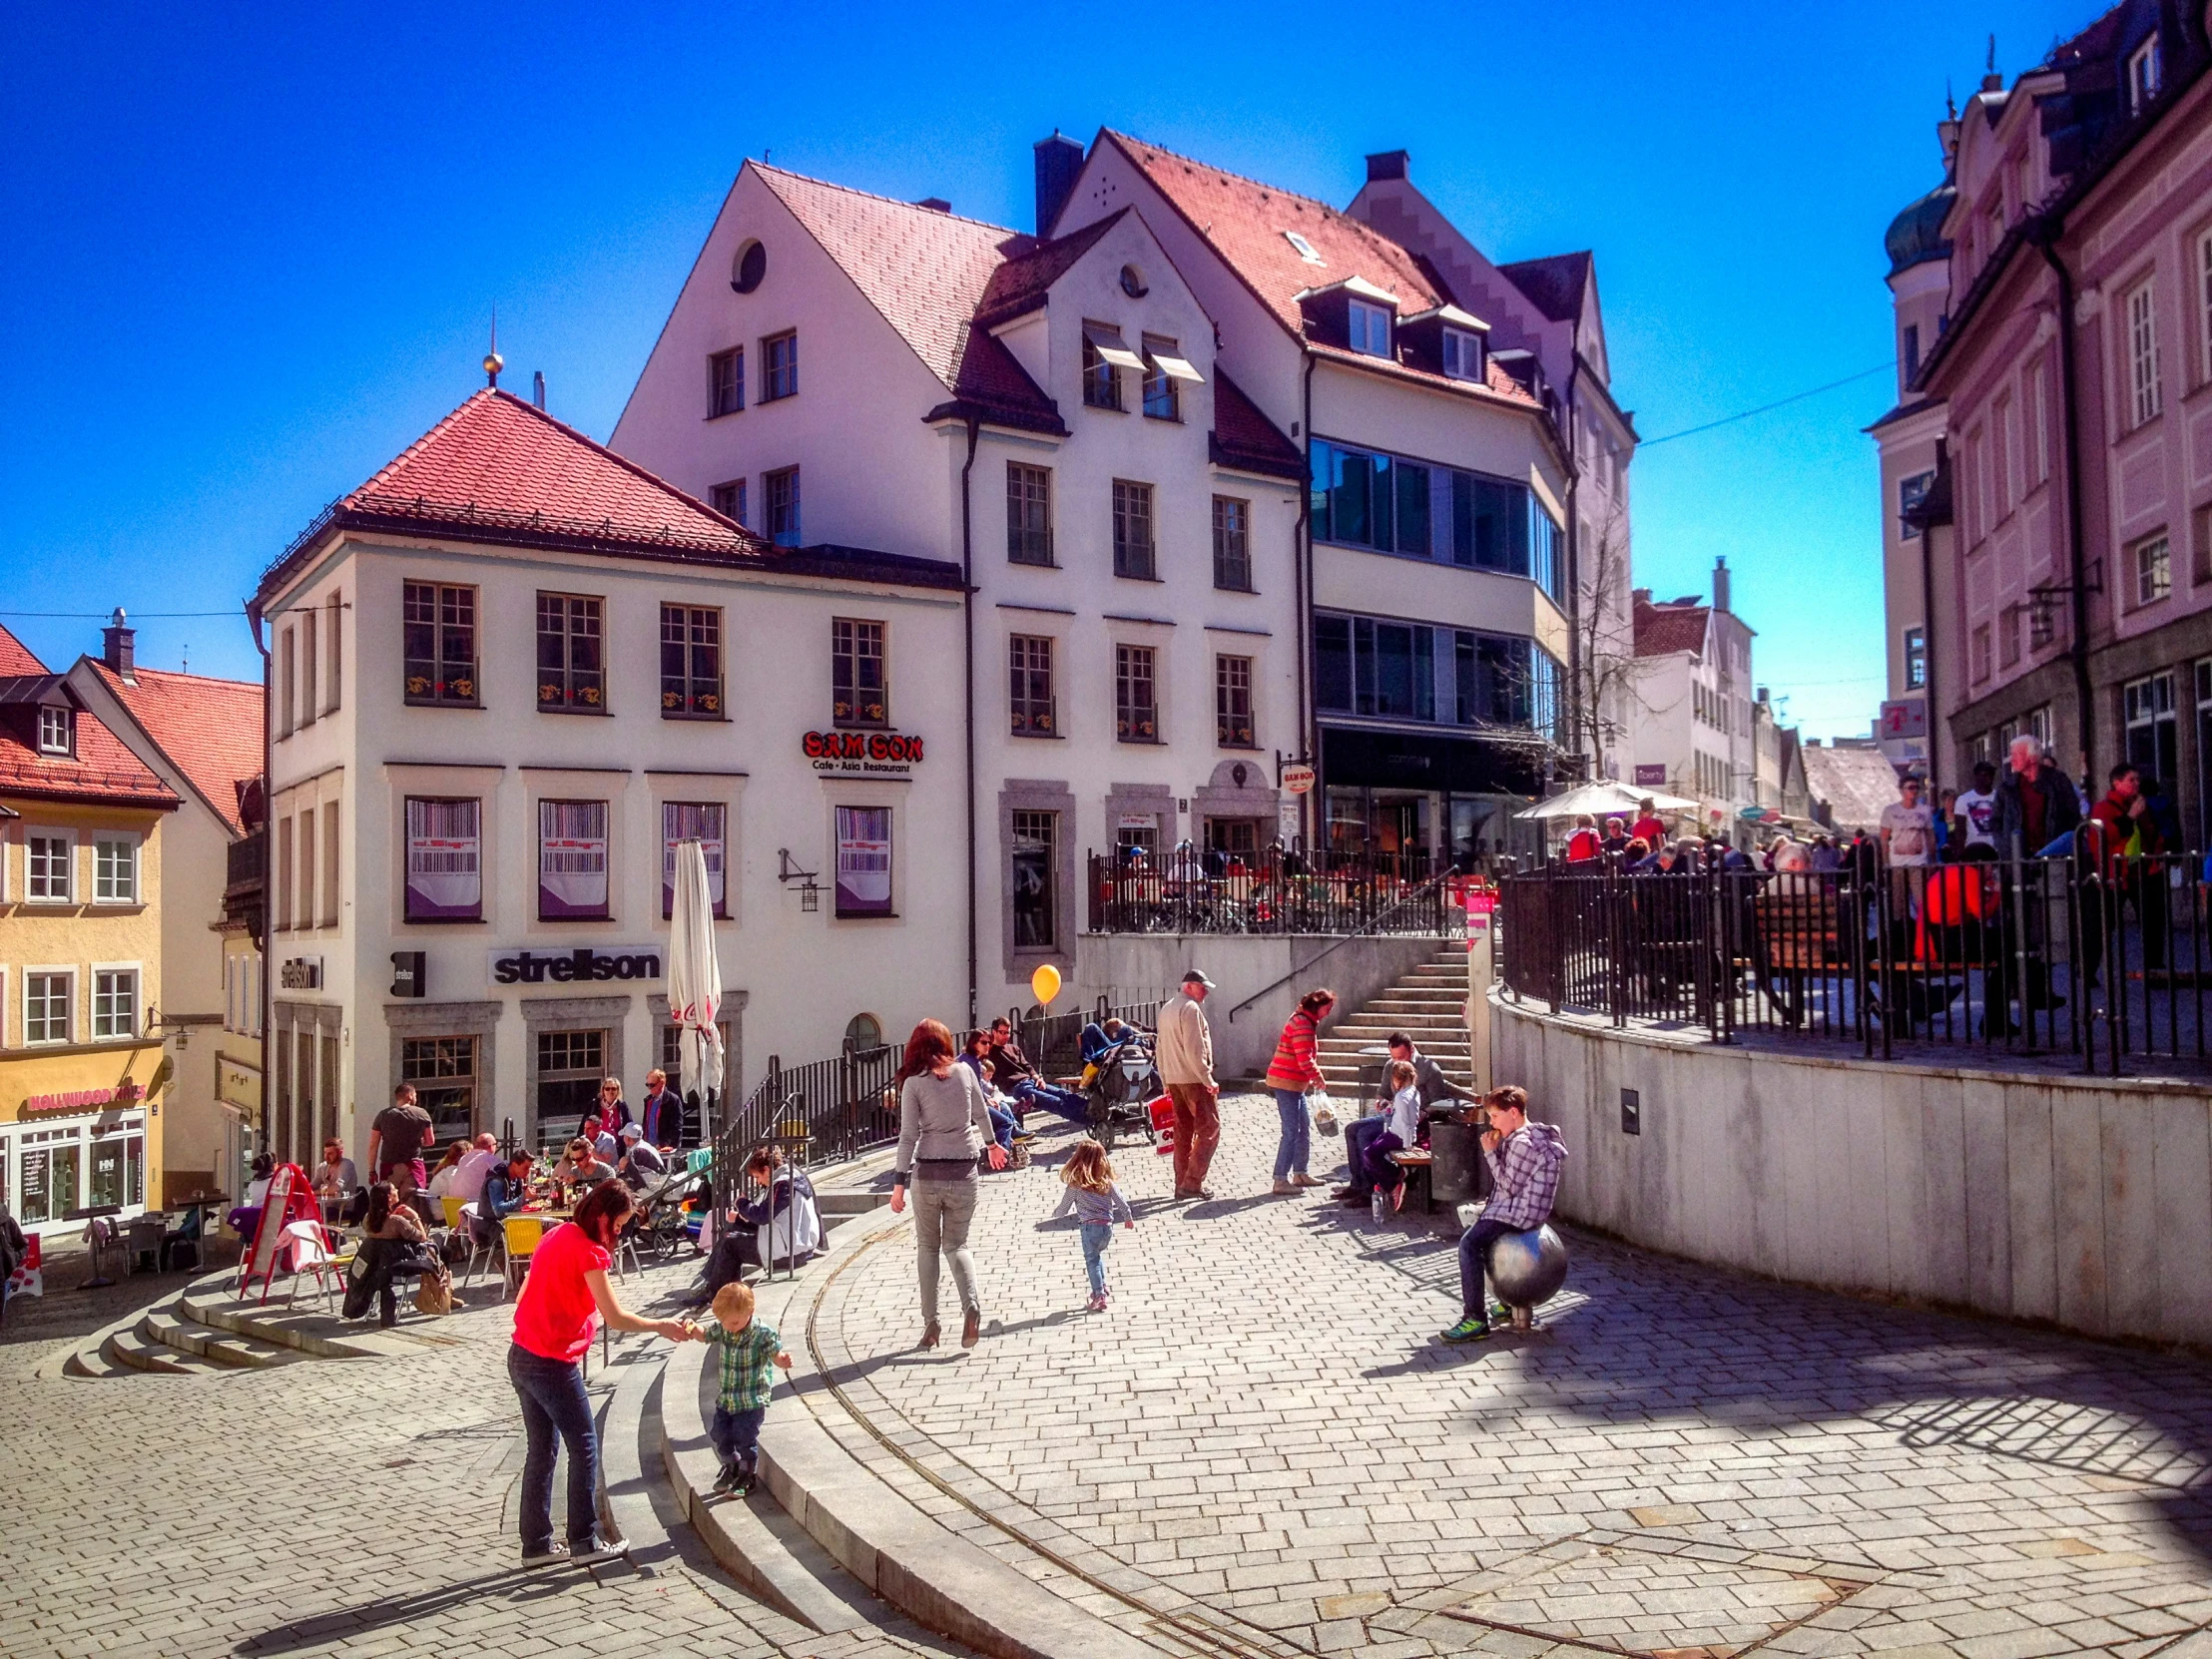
1412,671
1364,498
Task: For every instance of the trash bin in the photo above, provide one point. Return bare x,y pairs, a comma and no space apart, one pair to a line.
1457,1173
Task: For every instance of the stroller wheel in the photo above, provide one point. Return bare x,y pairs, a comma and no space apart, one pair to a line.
1104,1131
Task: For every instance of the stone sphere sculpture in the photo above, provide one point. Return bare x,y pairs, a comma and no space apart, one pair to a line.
1528,1269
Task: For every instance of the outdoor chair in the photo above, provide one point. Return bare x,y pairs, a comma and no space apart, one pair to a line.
479,1250
183,1238
520,1236
308,1248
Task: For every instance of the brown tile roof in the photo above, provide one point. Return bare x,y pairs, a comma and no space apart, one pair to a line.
16,658
993,386
1245,438
210,730
1021,283
1855,782
1554,285
1661,629
925,272
103,771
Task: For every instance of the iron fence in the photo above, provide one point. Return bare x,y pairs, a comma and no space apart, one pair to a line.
1276,892
2105,960
828,1110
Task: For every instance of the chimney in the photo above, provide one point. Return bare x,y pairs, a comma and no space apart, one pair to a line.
936,203
537,387
1640,596
1720,583
1388,164
1762,696
116,647
1059,160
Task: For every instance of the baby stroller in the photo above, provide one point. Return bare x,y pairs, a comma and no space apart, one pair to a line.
1123,1092
662,1227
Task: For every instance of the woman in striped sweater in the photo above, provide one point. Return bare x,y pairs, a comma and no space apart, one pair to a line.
1294,1073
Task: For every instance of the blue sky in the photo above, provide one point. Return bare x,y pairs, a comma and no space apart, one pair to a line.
251,253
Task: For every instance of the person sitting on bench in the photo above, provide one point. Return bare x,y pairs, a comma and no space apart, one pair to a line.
1525,1160
1013,1074
1435,1086
1400,1129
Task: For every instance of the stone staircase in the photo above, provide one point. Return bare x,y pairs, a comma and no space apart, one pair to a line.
170,1339
1430,1004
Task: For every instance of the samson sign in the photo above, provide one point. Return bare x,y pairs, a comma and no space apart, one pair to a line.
578,966
862,754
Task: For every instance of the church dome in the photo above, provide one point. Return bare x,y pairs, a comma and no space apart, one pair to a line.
1917,234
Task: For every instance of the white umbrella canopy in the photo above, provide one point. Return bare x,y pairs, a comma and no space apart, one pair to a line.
695,972
1604,798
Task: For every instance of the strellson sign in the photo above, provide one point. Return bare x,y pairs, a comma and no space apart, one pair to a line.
579,967
862,754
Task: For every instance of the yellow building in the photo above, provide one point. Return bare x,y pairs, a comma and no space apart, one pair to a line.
82,1079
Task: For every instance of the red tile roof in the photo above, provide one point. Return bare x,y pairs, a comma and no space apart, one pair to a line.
1661,629
210,730
1245,438
925,272
993,386
16,658
1021,283
102,772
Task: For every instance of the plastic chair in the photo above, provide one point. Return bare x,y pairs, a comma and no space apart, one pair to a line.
522,1236
479,1248
452,1208
310,1253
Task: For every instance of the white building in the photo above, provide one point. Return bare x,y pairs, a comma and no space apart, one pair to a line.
508,673
1110,430
1690,708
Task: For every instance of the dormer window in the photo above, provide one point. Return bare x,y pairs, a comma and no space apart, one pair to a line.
1164,365
1105,356
56,734
2143,76
1369,328
1463,354
1305,248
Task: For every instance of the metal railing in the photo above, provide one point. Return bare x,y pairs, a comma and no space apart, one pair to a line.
2101,960
828,1110
1272,892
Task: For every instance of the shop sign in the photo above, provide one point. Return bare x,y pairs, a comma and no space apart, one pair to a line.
1651,777
581,965
862,754
238,1084
301,973
1297,778
124,1093
1905,717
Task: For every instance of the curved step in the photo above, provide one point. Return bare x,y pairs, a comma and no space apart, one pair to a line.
140,1353
90,1364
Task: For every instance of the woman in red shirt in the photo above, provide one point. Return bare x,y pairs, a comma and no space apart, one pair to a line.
563,1300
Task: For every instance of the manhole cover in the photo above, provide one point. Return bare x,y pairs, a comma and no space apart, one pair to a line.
1695,1602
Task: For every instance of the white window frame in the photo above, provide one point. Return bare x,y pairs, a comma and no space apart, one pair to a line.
2140,316
68,837
66,719
42,971
116,837
1463,355
2145,74
1362,320
2151,561
137,971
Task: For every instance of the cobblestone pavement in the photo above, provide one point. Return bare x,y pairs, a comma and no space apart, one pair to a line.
357,1507
1261,1449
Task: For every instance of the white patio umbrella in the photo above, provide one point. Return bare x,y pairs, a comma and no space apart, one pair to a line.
694,973
1609,797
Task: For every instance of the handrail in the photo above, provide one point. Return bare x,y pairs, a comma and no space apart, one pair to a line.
1372,924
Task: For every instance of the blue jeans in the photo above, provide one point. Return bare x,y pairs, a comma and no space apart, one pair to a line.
1097,1235
1003,1126
1356,1136
736,1435
1297,1134
1031,1094
554,1404
1475,1258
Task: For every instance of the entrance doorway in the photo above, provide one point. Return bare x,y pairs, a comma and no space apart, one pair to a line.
571,1066
1389,826
443,1071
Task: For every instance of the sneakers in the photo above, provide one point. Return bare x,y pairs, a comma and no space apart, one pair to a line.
598,1549
731,1474
1472,1329
547,1554
1183,1193
1097,1304
1397,1197
1352,1198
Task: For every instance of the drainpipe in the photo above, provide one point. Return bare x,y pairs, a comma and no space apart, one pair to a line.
2045,237
1927,632
1302,581
1575,562
269,819
968,625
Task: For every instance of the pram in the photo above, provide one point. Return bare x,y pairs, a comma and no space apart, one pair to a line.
1125,1092
662,1227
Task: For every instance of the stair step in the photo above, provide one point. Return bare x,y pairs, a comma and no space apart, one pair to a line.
90,1363
142,1352
182,1337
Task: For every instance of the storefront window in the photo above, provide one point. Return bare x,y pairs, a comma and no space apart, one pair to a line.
1035,922
571,1066
572,859
117,1171
443,1071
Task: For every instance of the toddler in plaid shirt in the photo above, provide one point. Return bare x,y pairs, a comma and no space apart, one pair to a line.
749,1352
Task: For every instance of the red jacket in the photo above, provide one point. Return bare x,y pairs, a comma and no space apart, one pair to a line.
2108,831
1584,843
1294,1065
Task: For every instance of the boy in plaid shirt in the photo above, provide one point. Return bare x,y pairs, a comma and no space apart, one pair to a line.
750,1351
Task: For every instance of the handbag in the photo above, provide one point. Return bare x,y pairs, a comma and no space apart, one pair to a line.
434,1295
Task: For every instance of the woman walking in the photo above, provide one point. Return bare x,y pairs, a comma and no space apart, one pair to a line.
1293,1074
943,1123
558,1315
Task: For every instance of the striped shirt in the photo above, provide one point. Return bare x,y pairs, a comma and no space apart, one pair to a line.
748,1364
1294,1065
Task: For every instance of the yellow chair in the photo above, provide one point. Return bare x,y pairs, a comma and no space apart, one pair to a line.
521,1236
452,1208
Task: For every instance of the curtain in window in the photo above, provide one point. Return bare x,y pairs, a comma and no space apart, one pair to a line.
446,871
863,860
572,859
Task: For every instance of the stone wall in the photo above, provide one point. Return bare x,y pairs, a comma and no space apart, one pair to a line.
2083,1201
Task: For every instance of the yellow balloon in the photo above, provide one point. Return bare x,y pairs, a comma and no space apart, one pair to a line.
1045,984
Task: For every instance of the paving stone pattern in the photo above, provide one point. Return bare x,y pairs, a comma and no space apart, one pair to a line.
1261,1449
357,1507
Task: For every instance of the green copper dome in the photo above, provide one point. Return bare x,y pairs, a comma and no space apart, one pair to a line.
1917,234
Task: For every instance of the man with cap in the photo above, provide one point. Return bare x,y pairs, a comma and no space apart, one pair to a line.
642,1164
1184,1054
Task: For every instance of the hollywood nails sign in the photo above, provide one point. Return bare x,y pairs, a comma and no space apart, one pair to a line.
885,753
124,1093
568,967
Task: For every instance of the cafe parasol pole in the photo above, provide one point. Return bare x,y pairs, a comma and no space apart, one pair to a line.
695,979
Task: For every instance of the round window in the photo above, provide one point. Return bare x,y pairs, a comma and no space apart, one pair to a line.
1132,282
749,267
863,1031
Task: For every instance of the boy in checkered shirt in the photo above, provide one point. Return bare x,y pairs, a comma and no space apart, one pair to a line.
749,1352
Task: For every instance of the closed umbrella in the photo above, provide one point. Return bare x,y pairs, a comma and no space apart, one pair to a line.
695,976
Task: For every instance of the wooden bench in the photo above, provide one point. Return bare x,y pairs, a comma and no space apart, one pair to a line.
1416,1161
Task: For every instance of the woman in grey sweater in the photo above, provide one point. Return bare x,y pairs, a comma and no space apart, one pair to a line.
943,1123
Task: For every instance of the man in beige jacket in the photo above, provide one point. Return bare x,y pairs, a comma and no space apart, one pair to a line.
1186,1057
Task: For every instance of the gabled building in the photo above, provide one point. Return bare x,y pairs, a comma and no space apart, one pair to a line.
83,1078
202,737
1691,707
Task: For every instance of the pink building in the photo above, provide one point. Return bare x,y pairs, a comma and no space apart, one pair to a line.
2048,472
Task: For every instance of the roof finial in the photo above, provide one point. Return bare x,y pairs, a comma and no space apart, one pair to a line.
493,362
1991,81
1951,103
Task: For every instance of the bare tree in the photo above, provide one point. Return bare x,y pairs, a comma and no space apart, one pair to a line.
1605,678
